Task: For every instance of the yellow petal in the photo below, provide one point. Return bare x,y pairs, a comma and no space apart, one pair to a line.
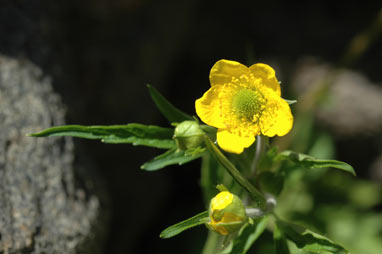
208,108
224,70
233,143
222,200
267,76
276,118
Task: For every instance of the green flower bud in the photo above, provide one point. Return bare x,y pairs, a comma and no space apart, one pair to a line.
227,213
188,134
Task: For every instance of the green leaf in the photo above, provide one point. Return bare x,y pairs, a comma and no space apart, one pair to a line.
307,161
235,173
308,240
281,246
172,156
178,228
247,236
171,113
137,134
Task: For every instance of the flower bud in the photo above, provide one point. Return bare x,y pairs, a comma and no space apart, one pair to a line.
227,213
188,134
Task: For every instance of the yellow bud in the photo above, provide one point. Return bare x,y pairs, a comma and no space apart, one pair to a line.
227,213
188,134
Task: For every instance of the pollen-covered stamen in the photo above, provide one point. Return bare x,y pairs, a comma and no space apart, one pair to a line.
246,104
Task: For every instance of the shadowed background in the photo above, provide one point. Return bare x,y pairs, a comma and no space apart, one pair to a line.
101,54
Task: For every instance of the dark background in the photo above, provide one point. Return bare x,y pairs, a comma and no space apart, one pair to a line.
101,54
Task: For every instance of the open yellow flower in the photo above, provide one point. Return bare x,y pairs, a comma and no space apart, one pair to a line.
243,102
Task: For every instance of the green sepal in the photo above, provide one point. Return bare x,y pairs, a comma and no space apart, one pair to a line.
171,157
230,224
290,102
231,227
308,240
307,161
178,228
247,235
221,187
134,133
171,113
235,173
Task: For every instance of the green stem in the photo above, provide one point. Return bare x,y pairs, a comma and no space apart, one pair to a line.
258,152
256,195
208,178
212,243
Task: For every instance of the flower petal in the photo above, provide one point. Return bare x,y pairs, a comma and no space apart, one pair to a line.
267,75
233,143
208,108
221,200
224,70
276,118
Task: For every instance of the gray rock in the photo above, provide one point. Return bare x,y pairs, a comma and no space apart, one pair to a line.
42,210
354,106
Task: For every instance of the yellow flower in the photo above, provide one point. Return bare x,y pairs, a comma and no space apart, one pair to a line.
227,213
243,102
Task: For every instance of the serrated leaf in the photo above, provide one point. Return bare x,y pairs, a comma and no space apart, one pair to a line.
247,236
172,114
136,134
173,230
308,240
307,161
171,157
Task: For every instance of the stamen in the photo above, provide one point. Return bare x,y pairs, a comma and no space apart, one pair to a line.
246,104
241,107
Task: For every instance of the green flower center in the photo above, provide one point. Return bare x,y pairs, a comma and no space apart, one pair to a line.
246,104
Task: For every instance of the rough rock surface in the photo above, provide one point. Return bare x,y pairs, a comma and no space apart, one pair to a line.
43,209
355,108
